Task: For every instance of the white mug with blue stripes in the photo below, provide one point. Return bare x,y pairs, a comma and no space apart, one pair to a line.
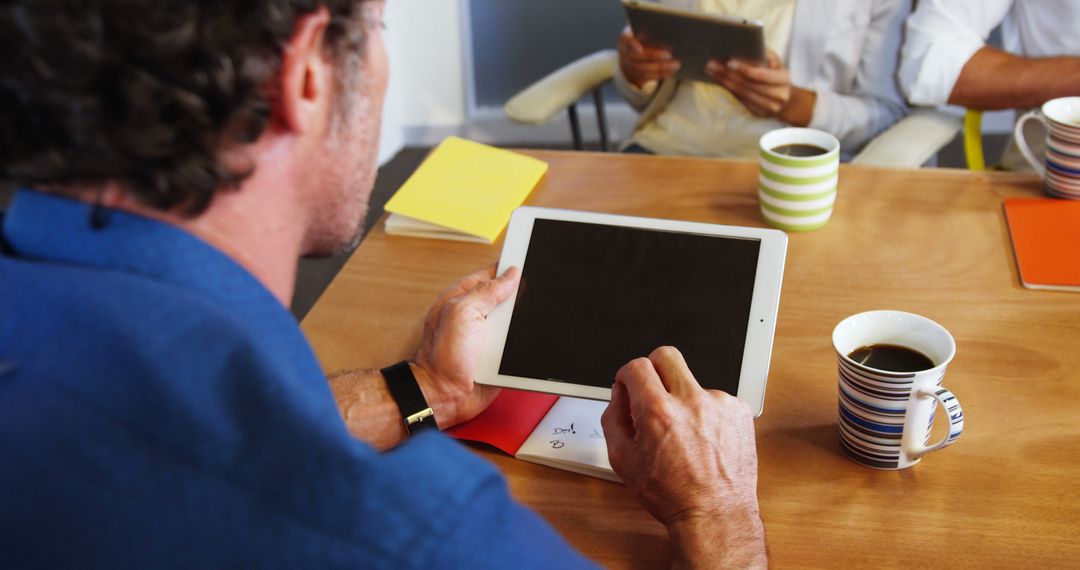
886,417
796,193
1060,167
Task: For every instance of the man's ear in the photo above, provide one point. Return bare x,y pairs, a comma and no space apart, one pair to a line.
304,83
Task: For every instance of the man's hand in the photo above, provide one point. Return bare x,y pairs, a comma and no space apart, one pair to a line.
688,454
641,64
765,90
453,340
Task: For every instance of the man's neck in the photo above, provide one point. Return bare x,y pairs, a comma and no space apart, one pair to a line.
254,225
268,246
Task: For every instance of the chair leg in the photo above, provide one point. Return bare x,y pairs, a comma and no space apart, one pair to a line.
601,118
575,127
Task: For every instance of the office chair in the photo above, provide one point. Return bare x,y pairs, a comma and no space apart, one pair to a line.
562,89
973,147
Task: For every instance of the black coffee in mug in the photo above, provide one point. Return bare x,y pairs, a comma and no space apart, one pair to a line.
799,150
891,357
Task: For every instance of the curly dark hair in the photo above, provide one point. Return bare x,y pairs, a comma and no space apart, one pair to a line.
147,93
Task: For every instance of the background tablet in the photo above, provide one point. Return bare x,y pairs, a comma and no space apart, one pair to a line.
596,294
694,38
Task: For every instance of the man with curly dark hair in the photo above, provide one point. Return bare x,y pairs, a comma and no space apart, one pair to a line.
158,404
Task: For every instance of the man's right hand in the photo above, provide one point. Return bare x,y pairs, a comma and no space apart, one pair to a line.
689,456
641,64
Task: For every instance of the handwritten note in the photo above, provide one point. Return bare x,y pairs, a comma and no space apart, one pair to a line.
570,437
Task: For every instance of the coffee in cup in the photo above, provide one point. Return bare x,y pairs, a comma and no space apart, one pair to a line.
802,150
891,357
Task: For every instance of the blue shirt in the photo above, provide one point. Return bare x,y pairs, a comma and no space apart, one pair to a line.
159,407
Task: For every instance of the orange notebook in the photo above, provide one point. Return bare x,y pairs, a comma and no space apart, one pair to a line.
1046,239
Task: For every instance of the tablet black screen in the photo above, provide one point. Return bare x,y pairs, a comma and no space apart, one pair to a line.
593,297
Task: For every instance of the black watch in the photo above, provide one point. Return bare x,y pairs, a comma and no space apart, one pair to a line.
417,414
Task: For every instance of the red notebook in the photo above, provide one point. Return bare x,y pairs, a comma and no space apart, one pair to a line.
1046,239
559,432
508,421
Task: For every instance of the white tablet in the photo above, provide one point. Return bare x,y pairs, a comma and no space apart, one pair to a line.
599,290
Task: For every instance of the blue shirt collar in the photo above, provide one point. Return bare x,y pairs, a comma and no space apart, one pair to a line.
56,229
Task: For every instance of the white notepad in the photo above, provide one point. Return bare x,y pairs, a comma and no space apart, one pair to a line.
570,437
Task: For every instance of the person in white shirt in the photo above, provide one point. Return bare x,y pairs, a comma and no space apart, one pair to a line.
945,59
831,66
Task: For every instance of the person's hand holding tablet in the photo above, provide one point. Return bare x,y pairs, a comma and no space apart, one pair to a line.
664,40
765,90
686,453
453,340
641,64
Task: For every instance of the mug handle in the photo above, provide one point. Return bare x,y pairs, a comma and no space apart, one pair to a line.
955,413
1022,144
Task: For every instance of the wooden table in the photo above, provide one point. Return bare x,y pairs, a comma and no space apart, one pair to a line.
934,242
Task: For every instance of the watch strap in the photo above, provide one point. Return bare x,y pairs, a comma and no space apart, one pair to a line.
415,411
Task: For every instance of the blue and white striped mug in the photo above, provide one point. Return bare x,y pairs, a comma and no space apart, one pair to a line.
1060,167
885,416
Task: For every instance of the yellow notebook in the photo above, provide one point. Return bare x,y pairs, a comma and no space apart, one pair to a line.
463,191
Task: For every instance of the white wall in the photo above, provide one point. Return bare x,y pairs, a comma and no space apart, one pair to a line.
426,95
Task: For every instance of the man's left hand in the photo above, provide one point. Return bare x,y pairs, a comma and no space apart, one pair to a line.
453,340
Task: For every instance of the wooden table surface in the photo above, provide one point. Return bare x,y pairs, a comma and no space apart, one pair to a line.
931,241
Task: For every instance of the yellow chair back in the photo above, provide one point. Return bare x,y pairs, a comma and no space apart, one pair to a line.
973,147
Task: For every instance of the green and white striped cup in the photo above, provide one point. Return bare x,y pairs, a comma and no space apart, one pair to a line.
797,192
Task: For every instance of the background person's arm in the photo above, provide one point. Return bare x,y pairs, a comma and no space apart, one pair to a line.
444,365
689,456
941,38
994,79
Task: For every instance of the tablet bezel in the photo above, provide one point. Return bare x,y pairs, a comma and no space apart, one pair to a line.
761,325
689,33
